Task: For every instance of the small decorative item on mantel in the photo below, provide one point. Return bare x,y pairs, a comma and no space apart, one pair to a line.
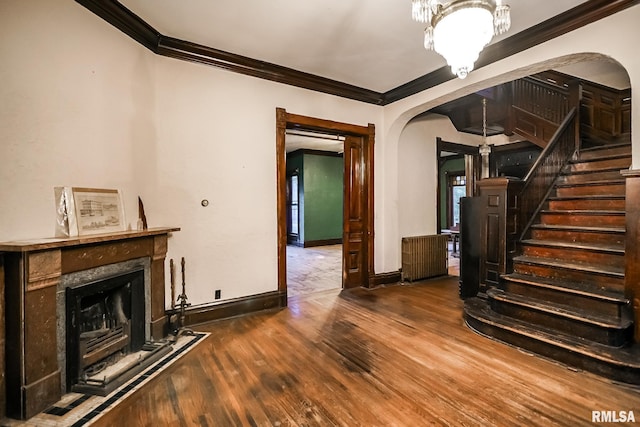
83,211
142,218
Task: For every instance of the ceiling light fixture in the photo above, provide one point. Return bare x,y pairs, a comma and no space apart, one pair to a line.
459,29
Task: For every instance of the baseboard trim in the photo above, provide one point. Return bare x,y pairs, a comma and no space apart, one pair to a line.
207,313
326,242
385,278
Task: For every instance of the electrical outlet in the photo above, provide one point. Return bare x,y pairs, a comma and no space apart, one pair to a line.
218,294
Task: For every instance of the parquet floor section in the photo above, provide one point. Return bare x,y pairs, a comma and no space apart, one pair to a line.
392,356
313,269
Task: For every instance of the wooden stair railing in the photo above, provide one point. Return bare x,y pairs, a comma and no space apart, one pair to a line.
539,180
510,205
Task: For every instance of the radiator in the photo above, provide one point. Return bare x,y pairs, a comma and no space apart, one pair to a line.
424,256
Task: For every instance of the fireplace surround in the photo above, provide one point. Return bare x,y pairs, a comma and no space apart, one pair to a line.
37,274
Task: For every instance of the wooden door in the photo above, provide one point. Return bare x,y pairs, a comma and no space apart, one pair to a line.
355,230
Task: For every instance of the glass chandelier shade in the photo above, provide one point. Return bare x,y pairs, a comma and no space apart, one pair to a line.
459,29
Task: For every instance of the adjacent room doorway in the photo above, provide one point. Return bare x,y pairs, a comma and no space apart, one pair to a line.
315,192
357,235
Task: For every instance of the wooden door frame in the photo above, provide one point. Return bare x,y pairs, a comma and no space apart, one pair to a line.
286,121
452,147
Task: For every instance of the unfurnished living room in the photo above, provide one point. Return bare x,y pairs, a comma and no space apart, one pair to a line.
350,213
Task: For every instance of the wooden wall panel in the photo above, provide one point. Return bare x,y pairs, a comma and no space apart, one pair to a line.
3,392
498,234
632,246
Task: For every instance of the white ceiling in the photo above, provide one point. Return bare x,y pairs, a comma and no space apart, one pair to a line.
373,44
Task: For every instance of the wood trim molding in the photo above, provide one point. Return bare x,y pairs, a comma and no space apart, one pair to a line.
187,51
284,121
389,278
126,21
281,197
195,315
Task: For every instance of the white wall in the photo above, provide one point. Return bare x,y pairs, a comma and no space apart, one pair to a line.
216,141
418,171
76,109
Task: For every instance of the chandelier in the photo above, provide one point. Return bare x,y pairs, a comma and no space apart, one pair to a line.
459,29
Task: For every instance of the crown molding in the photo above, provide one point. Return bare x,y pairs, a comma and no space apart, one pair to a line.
187,51
126,21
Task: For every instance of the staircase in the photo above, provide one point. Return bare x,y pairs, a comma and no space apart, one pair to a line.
565,297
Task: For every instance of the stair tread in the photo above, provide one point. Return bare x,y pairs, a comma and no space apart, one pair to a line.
610,270
560,310
594,183
578,228
601,158
583,212
596,247
582,289
626,357
605,146
589,197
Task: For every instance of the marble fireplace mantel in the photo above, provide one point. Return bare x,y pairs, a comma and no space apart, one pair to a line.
32,271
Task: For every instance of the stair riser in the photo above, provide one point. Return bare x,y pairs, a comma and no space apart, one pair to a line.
569,357
615,239
597,307
589,177
609,282
615,189
596,333
622,163
574,254
588,204
583,220
613,151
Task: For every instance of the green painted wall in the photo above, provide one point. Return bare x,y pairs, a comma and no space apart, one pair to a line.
321,192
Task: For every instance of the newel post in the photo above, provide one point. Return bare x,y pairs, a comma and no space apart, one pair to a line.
632,246
499,232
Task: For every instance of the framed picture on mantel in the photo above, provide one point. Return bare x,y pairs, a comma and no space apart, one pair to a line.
98,210
84,211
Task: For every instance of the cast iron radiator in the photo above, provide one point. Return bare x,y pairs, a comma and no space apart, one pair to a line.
424,256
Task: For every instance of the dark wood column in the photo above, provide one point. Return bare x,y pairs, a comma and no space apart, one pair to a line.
632,245
3,392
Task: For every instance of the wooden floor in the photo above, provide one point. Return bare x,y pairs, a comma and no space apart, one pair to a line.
313,269
393,356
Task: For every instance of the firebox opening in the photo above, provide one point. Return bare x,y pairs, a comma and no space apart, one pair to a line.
105,322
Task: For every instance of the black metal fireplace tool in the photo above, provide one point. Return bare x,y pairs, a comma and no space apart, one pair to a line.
177,320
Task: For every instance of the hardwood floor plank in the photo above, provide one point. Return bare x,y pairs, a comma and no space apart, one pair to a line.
391,356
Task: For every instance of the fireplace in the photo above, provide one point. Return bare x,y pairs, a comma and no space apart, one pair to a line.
105,321
108,289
